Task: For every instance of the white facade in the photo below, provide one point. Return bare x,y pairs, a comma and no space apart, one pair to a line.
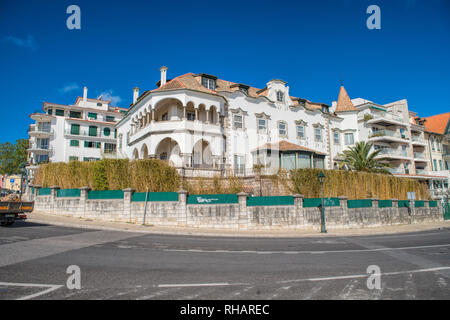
83,131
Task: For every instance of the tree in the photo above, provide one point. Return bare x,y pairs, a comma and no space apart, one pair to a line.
12,156
360,158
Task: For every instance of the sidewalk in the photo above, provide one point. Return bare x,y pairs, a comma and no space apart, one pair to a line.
65,221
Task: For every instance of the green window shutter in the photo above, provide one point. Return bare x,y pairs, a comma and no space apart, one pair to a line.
59,112
86,145
99,144
74,143
75,129
93,131
49,111
106,132
115,133
73,158
109,118
92,115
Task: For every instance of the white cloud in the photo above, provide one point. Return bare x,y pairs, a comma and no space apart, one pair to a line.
68,88
108,95
25,43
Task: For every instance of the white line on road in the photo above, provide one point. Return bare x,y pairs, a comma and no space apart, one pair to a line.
365,275
50,288
307,252
220,284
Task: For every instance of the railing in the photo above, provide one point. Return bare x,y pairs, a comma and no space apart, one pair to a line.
99,134
417,139
387,133
393,152
419,155
397,170
40,147
388,116
421,171
37,129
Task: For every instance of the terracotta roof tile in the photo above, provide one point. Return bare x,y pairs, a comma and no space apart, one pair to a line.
437,123
344,103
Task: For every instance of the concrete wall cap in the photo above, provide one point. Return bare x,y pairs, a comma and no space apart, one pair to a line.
343,198
128,190
182,191
298,195
242,194
85,188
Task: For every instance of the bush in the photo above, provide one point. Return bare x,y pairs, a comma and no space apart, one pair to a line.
110,174
355,185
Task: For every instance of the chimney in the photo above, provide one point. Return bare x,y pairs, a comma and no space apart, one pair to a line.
135,94
84,96
163,75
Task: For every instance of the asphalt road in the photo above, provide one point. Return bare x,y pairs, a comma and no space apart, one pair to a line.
123,265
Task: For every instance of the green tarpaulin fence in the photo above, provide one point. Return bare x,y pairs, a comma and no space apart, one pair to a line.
384,203
359,203
105,194
419,204
315,202
403,203
44,192
433,204
68,193
155,196
270,201
212,198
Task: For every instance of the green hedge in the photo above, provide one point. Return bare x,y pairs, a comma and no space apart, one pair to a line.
360,203
270,201
68,193
155,196
105,194
212,198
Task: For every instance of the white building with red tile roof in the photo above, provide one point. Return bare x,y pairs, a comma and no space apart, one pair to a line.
83,131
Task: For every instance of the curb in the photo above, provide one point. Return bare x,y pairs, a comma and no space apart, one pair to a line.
227,233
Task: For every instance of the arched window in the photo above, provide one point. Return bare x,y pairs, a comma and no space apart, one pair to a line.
106,132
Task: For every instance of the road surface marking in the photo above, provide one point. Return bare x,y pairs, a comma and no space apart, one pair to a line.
50,288
219,284
308,252
354,276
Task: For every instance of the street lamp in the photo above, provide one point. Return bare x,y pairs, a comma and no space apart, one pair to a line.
321,177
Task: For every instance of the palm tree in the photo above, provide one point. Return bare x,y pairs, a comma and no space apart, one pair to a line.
359,158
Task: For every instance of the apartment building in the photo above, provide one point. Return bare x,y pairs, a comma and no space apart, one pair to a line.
83,131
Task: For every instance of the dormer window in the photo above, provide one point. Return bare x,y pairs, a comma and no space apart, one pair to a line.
209,82
280,96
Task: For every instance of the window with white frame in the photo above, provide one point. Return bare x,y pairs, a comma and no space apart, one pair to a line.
349,139
239,164
300,131
190,116
238,121
282,128
318,134
209,83
337,137
262,125
280,96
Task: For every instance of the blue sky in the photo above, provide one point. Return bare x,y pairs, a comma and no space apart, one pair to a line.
309,44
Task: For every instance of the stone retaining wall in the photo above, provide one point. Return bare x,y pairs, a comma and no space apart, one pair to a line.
232,215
